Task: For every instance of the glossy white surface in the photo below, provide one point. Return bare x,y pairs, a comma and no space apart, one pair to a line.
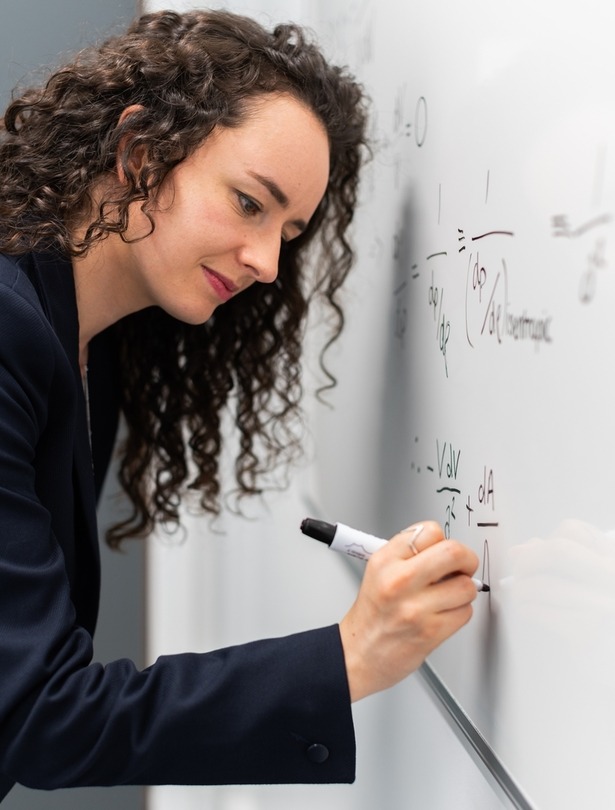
481,319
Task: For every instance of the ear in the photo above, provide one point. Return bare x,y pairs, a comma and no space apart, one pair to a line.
138,155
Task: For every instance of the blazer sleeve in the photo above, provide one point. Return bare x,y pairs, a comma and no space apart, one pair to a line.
273,711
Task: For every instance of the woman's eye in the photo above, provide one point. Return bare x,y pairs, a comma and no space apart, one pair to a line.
248,205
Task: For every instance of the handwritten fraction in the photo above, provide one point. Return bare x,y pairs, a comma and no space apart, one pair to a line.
475,502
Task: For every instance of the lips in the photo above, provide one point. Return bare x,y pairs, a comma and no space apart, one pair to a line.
223,287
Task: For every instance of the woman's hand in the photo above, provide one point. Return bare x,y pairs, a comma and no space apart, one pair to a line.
416,592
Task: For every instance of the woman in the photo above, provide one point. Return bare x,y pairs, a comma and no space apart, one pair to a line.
157,199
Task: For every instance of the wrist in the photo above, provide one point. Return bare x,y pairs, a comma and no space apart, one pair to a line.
357,674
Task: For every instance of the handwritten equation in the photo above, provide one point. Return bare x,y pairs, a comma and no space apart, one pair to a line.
492,263
474,506
488,310
487,313
484,265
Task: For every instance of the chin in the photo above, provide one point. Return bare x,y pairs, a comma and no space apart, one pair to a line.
195,317
193,313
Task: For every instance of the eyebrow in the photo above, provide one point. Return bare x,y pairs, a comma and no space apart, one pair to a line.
279,196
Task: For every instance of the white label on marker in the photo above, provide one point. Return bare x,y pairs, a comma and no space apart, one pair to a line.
355,543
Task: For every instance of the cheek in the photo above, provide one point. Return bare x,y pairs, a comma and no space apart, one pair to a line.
192,228
212,229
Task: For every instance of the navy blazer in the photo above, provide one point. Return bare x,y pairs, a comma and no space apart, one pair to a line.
274,711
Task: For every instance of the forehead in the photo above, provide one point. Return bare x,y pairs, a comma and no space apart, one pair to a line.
279,138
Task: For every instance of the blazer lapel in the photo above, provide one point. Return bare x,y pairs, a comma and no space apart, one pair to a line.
56,289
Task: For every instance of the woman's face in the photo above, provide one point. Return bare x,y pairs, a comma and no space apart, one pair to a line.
222,214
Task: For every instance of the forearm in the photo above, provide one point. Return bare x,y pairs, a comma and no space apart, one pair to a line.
275,711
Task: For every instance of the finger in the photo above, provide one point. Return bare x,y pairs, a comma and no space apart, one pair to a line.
454,619
416,538
444,561
436,563
452,593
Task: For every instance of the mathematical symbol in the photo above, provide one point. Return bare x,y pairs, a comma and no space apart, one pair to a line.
470,510
461,239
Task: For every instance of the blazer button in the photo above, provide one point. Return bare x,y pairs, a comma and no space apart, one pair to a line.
317,753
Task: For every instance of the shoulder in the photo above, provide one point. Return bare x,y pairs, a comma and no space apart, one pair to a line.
19,296
15,281
16,288
25,332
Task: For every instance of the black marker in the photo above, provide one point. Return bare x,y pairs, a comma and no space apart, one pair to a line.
353,542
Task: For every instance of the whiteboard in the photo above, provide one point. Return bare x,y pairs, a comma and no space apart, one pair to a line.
475,371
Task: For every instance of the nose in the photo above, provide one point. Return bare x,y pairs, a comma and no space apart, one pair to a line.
261,254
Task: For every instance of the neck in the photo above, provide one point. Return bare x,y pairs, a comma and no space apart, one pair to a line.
103,290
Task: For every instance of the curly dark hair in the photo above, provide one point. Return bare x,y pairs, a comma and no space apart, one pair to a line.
188,73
